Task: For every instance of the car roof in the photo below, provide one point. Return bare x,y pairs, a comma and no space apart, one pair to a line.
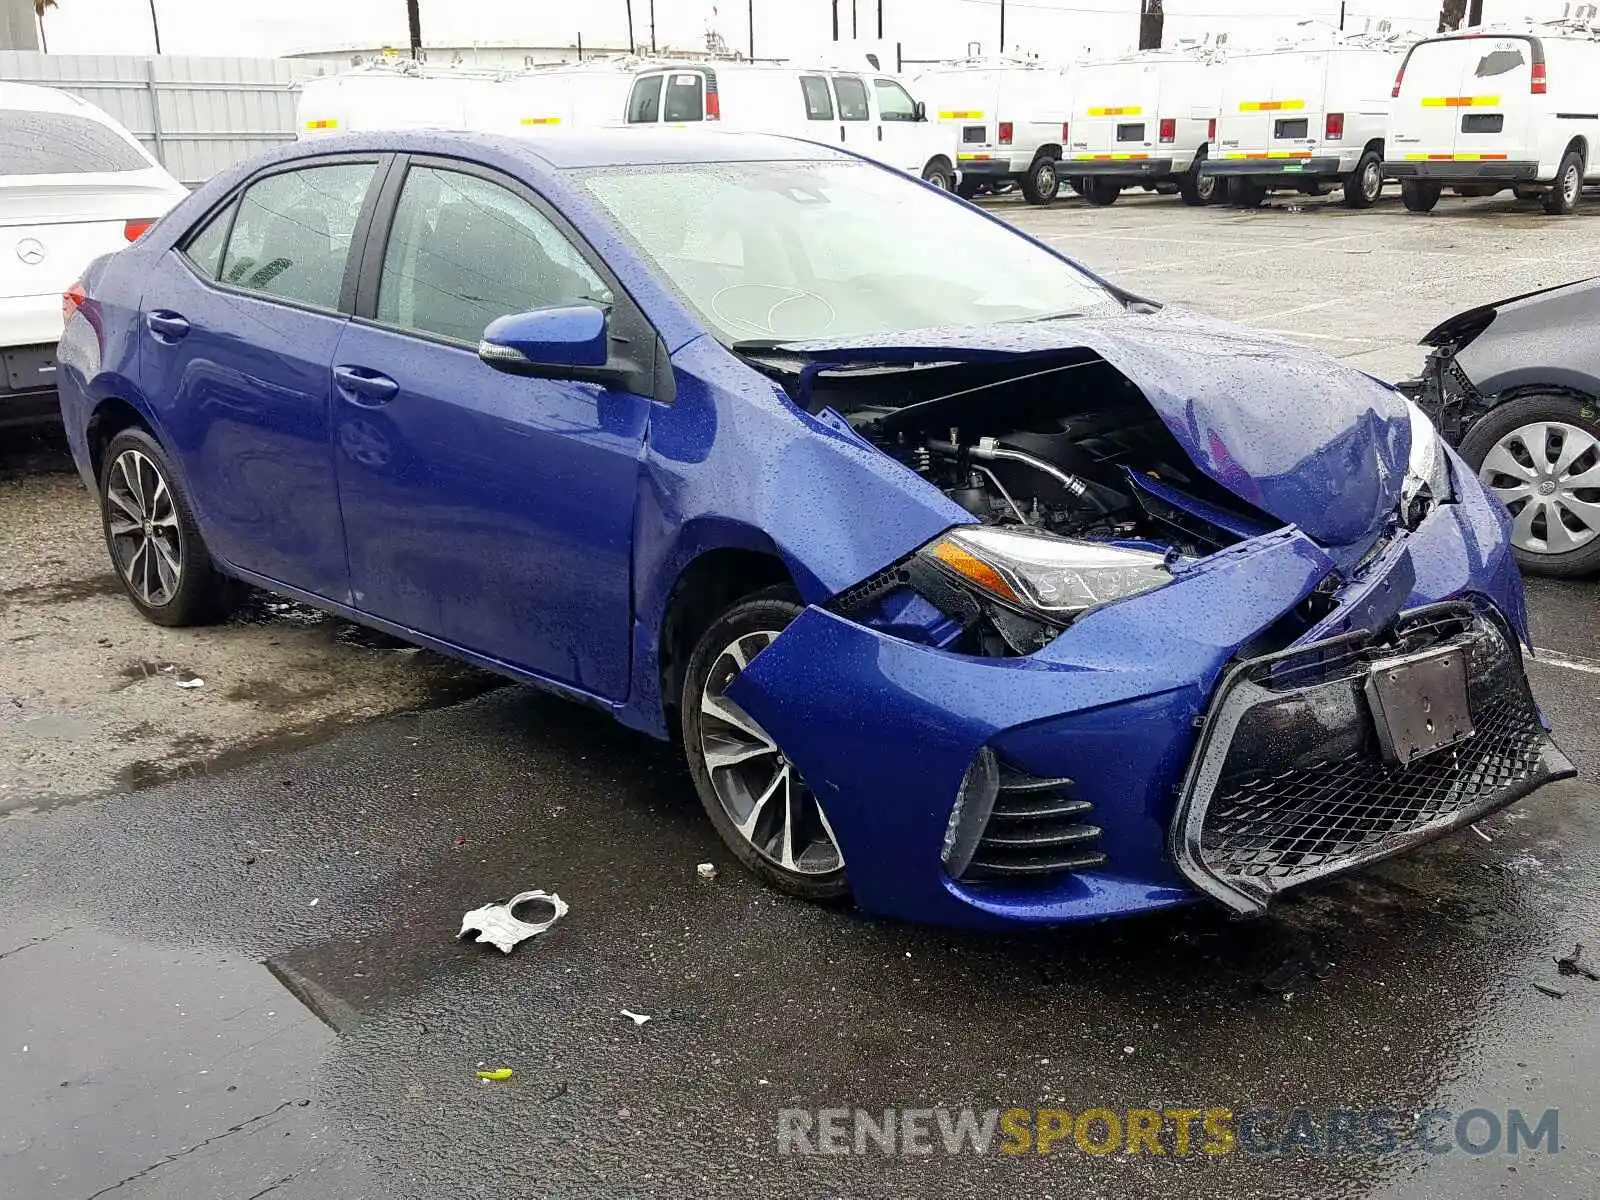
28,98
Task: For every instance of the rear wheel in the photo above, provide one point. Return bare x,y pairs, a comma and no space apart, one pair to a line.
1365,183
1540,454
150,531
940,175
1246,193
1195,188
968,188
756,799
1041,184
1100,192
1523,192
1419,195
1562,199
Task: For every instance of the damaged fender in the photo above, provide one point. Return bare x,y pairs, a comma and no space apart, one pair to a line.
884,729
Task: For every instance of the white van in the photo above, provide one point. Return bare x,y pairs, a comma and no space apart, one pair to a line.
1144,120
400,96
1009,114
1498,108
871,114
1307,117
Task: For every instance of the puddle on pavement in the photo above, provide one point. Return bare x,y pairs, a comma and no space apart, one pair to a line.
64,591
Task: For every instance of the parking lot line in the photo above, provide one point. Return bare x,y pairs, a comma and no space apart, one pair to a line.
1552,658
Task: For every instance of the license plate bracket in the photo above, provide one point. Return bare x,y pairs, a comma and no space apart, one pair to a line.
1419,703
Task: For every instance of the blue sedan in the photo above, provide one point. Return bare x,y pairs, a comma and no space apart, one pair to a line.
975,587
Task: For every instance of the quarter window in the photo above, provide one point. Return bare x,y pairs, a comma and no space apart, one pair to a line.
852,95
894,102
293,233
644,105
464,251
204,249
683,101
819,103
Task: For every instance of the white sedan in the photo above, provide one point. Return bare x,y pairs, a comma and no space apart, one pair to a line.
73,185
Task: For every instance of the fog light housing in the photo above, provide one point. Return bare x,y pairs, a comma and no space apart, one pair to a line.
970,816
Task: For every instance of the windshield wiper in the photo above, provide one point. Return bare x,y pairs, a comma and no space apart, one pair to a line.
749,345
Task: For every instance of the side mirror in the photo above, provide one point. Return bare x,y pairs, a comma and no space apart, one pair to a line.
922,110
558,343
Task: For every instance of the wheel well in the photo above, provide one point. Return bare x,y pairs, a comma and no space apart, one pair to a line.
705,590
1581,146
109,419
1376,144
939,160
1050,150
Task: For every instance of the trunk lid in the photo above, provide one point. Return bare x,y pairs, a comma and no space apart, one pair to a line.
51,227
1297,435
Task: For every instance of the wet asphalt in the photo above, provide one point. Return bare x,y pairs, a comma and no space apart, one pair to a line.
245,983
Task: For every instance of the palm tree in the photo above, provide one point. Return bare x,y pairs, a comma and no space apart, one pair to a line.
38,15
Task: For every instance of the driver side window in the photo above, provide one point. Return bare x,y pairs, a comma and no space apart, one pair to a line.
464,251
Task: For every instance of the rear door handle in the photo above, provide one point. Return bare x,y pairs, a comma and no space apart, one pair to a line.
167,326
364,386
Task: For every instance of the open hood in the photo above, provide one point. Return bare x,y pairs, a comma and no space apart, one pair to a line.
1298,435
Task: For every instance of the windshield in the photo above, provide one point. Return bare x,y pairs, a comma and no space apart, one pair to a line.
797,250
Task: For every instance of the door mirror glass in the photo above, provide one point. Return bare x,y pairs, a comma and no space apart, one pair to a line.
922,110
559,338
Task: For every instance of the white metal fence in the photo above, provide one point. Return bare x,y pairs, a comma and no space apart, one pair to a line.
197,115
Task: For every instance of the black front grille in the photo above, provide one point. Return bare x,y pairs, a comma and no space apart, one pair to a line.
1290,784
1037,828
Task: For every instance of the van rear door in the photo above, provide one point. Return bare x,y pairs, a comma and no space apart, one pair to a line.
1116,114
1427,115
1291,114
1493,105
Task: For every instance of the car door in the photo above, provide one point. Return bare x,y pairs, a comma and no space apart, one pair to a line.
900,137
821,125
489,510
241,321
855,116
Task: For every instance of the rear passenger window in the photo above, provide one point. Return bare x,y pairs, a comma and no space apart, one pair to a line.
683,101
894,102
293,233
49,143
644,105
464,251
852,98
819,103
204,249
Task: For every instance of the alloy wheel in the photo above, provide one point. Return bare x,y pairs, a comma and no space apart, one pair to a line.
1548,475
759,789
1044,180
1570,184
1206,186
146,542
1372,180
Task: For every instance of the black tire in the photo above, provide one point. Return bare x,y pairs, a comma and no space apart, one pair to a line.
1365,184
967,189
939,174
1419,195
1197,189
1504,420
197,594
1042,184
1522,192
1244,192
1562,198
769,611
1100,192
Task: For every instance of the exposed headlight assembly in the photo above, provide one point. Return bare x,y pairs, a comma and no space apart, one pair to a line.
1044,576
1427,471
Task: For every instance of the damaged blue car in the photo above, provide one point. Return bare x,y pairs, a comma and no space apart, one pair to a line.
975,588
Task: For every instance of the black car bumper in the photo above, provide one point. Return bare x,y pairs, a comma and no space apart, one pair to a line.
1271,166
27,385
984,168
1462,171
1122,168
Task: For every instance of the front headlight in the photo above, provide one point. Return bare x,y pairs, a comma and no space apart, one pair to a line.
1428,467
1051,577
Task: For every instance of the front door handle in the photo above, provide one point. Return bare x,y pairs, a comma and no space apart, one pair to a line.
364,386
167,326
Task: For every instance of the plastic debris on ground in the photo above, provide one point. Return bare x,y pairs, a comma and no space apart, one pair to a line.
495,1074
191,683
1573,964
1555,992
636,1018
706,871
495,925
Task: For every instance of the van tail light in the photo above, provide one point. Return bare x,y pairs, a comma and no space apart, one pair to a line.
1169,129
71,300
713,106
1211,130
135,229
1399,78
1540,83
1335,127
1006,130
1066,131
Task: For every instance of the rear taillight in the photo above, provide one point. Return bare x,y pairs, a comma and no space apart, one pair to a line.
135,229
1169,129
1066,132
71,299
1211,130
1335,127
1540,83
713,106
1006,130
1399,78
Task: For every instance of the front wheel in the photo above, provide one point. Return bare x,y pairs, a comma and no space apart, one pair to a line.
939,175
1419,195
1100,192
1540,454
1365,183
756,799
1041,184
1244,192
1562,199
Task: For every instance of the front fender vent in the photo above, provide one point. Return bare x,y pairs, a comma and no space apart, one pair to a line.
1038,827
